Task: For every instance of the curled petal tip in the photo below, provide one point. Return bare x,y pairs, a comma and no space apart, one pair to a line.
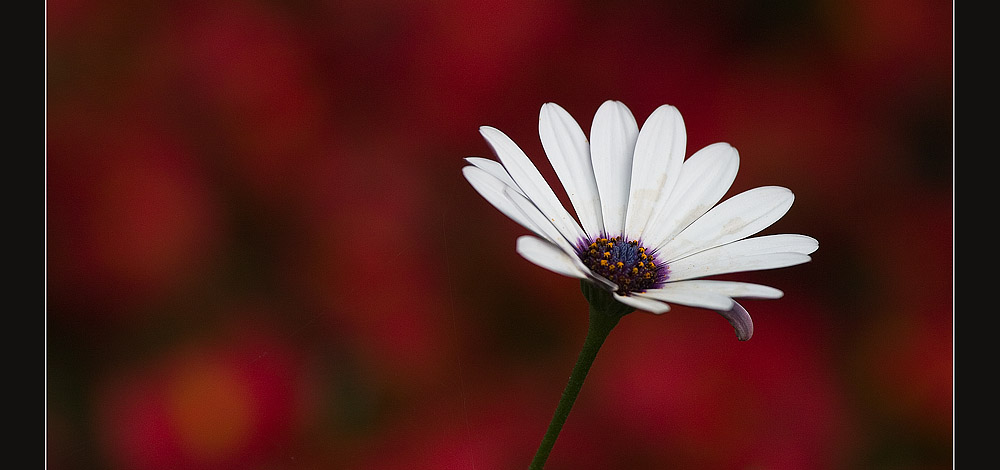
740,319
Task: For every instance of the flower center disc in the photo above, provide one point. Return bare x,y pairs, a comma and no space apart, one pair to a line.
624,262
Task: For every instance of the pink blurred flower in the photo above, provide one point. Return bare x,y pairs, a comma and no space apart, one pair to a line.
132,217
685,396
229,402
247,83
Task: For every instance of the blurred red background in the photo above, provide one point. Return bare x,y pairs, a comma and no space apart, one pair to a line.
261,253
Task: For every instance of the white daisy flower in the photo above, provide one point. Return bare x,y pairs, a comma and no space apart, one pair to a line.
647,227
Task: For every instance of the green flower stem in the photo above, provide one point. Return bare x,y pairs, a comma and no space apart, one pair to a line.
605,313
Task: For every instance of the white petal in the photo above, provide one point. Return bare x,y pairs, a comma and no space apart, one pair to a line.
569,153
778,243
690,297
492,189
704,179
656,165
612,142
495,169
514,205
531,183
740,319
535,217
642,303
767,244
718,261
548,256
726,288
552,235
735,218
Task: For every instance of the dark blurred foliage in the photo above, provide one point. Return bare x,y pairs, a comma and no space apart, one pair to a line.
261,253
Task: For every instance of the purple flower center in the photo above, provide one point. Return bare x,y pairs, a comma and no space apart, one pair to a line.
624,262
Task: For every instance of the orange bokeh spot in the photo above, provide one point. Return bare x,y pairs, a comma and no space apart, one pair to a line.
209,407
